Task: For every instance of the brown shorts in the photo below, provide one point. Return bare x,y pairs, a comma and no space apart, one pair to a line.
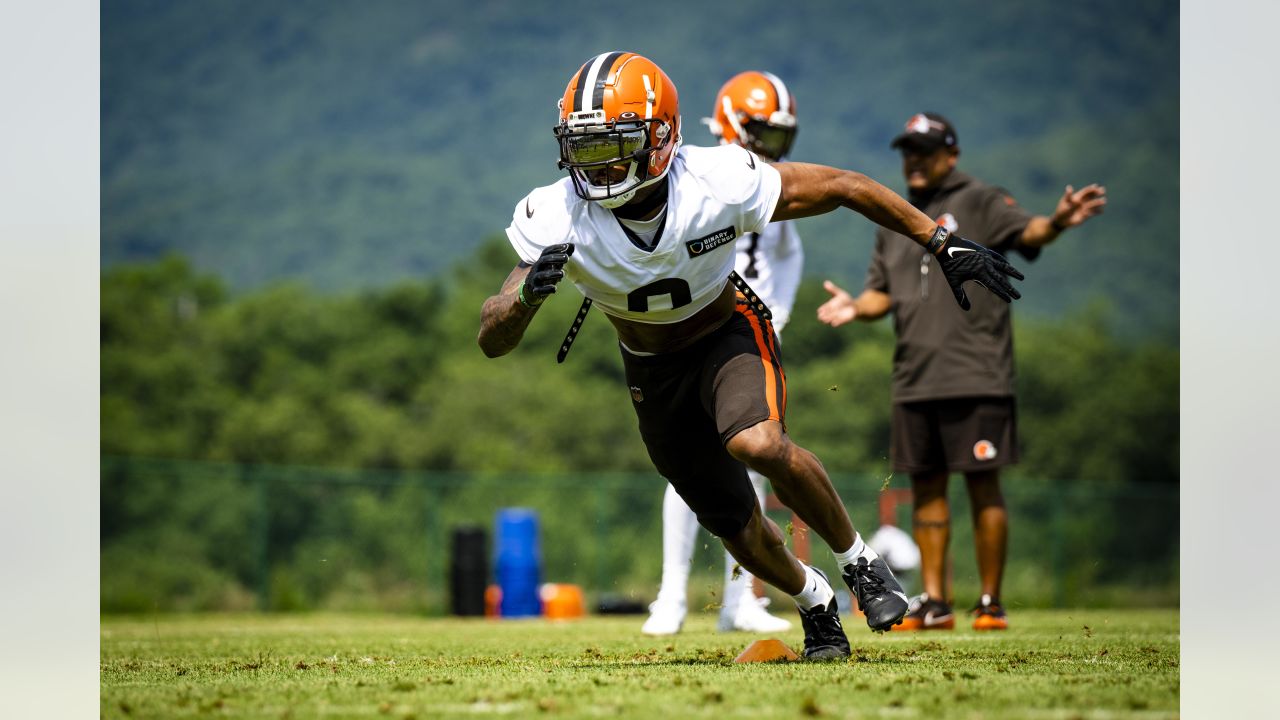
691,402
954,435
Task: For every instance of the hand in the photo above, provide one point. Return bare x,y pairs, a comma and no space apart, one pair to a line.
838,310
1076,206
962,260
545,273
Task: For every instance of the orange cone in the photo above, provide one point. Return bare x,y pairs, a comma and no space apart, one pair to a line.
561,601
767,651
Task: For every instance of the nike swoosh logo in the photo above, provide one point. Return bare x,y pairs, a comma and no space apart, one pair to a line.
951,252
751,160
528,212
930,618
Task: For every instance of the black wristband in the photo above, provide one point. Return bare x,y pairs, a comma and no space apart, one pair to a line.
939,239
1053,221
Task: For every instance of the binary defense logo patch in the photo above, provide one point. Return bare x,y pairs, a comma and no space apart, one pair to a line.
707,243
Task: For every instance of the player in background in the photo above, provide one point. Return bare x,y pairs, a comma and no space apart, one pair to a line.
754,110
643,227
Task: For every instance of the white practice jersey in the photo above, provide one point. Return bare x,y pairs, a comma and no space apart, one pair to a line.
771,262
715,196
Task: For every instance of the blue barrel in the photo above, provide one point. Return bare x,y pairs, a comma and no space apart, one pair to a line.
518,562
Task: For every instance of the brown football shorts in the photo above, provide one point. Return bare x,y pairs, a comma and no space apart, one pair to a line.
692,401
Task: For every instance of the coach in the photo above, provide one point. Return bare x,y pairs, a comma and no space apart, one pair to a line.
953,401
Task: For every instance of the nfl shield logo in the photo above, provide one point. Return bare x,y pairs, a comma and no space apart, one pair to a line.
636,394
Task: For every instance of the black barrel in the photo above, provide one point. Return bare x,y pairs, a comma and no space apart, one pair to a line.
468,570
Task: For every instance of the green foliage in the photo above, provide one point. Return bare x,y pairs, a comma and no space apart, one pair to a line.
393,379
177,539
160,396
354,145
1093,408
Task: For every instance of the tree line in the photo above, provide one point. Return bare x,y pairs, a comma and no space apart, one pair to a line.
392,378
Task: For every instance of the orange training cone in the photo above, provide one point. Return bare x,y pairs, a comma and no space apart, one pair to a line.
767,651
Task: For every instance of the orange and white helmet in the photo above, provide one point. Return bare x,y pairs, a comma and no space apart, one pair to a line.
619,127
755,110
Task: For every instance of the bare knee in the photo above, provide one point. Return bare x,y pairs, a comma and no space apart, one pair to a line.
762,447
984,489
928,489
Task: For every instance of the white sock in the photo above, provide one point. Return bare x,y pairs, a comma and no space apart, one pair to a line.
859,549
816,591
679,531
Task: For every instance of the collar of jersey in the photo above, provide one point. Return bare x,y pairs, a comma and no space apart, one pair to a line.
635,239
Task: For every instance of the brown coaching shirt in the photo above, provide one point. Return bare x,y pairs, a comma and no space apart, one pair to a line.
943,351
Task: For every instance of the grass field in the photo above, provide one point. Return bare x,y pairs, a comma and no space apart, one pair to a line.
1052,664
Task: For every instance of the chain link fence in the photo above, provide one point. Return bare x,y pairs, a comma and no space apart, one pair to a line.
187,536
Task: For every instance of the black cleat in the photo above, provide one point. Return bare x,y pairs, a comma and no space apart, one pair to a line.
824,637
879,594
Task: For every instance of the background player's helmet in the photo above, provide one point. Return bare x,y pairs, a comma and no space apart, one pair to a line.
757,111
619,127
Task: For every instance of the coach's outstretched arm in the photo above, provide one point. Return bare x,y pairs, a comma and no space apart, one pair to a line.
816,189
504,317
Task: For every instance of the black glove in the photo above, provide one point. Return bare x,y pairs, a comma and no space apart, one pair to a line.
543,275
962,260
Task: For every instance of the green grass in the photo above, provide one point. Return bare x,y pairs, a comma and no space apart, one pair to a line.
1051,664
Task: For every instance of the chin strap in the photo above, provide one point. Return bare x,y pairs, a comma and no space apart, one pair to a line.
617,201
573,330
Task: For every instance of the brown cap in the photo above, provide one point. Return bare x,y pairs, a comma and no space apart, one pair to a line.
927,131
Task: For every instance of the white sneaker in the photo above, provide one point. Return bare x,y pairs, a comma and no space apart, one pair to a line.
666,617
753,618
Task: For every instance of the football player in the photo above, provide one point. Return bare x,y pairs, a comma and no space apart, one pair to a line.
645,227
754,110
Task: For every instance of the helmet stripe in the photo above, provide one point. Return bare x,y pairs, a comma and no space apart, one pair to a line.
779,89
577,83
602,74
587,79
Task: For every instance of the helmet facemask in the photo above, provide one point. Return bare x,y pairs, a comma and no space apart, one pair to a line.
769,137
772,141
609,161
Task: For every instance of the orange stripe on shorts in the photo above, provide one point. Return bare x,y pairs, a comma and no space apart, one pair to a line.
770,383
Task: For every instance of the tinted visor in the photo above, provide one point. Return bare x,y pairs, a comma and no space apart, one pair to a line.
601,147
771,141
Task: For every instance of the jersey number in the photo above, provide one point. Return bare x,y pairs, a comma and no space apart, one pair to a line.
638,299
